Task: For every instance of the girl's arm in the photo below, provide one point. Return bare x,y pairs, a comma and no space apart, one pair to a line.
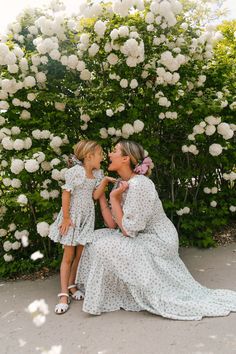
106,212
66,221
100,189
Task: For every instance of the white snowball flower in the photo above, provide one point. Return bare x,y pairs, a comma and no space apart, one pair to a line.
54,193
7,246
7,143
27,143
4,106
6,182
138,126
2,120
56,142
43,228
210,130
29,81
103,133
213,203
100,28
31,165
109,112
8,257
25,115
45,194
15,183
111,131
207,190
214,190
18,144
15,130
41,77
85,75
17,166
133,83
232,208
36,134
124,83
3,232
186,210
93,50
39,156
22,199
85,117
211,120
114,34
123,31
60,106
56,174
55,162
46,166
16,245
215,149
127,129
112,59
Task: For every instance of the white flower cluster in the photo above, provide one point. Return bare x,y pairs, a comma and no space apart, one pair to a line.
39,310
170,62
232,208
212,190
229,176
191,148
213,203
9,144
185,210
126,130
166,77
168,115
43,228
162,100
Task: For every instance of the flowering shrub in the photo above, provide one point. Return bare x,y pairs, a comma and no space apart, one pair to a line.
127,69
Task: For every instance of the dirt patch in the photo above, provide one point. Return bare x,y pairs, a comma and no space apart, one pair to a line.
226,235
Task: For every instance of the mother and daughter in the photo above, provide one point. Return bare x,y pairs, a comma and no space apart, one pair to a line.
134,263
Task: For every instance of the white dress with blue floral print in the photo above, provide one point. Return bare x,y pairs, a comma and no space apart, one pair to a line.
82,211
144,271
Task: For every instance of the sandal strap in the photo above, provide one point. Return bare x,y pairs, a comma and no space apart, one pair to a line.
63,294
71,286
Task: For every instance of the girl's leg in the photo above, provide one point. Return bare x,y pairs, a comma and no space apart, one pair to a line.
68,256
74,267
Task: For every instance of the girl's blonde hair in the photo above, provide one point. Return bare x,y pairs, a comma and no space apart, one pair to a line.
135,152
83,147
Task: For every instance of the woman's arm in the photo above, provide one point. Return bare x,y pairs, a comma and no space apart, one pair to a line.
115,199
106,212
66,221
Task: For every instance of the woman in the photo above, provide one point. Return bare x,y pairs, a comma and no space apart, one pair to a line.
137,267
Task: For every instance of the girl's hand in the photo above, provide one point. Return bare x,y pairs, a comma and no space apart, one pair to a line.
108,179
116,193
64,227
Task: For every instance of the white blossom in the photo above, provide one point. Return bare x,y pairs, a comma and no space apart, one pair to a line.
31,165
215,149
43,228
22,199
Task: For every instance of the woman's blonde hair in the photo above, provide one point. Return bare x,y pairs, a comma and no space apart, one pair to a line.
83,147
135,152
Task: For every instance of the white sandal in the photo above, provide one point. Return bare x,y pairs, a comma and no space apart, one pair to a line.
61,307
78,295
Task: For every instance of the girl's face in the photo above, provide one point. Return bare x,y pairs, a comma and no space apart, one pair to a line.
96,158
116,159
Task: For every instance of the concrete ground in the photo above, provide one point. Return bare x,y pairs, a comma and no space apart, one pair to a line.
119,332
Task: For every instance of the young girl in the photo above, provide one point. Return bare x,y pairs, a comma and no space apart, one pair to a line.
74,225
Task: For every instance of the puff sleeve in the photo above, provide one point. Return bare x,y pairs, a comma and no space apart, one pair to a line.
138,205
74,177
99,175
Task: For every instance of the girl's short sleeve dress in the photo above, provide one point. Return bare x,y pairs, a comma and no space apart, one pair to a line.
82,211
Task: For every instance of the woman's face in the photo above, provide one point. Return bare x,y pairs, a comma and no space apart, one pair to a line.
116,158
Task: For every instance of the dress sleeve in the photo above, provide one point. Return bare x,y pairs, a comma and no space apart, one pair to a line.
138,205
99,175
74,177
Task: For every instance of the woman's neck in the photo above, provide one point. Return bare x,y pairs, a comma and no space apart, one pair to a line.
125,174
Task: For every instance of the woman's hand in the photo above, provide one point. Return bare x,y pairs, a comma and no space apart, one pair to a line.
117,193
64,227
